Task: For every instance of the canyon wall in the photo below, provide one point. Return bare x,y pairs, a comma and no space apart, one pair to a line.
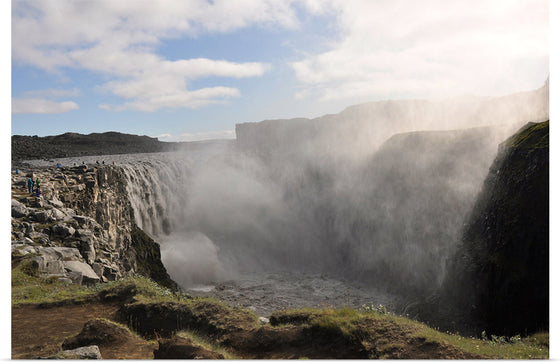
83,215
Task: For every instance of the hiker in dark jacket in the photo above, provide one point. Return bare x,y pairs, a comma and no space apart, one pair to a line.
30,185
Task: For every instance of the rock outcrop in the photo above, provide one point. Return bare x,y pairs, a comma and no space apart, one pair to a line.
362,128
82,228
498,280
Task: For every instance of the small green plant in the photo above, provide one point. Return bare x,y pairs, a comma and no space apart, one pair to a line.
30,268
372,308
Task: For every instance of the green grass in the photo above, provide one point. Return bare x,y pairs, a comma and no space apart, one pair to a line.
532,347
399,330
531,136
383,328
206,344
29,288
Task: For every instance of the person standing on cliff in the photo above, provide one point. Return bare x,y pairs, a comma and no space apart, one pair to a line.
37,183
30,185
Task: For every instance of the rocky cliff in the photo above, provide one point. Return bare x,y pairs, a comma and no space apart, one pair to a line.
362,128
498,279
82,227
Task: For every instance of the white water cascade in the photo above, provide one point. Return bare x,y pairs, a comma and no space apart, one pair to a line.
389,221
302,229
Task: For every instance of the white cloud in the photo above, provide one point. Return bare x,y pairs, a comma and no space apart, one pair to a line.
52,93
178,98
120,38
165,85
429,48
41,106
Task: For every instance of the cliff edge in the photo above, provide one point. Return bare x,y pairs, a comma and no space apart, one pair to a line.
81,229
499,277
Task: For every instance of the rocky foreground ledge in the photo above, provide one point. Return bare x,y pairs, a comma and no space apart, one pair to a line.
81,230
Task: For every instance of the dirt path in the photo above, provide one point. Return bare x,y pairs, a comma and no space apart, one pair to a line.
41,331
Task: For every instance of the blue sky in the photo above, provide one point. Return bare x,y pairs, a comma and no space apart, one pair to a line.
192,69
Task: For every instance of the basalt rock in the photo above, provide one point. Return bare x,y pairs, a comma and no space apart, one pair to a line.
498,280
19,209
82,227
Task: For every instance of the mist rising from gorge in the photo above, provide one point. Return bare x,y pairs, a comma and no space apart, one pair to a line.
377,193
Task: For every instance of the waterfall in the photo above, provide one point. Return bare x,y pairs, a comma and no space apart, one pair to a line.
158,191
390,219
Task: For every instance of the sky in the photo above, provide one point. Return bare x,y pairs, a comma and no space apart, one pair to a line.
191,69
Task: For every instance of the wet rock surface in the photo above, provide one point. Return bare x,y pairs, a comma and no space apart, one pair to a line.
499,278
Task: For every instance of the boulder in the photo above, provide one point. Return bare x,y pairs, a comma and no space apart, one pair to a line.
75,277
68,211
42,216
97,268
59,253
27,227
62,230
86,221
22,249
85,352
87,272
56,203
58,215
19,209
49,264
111,273
87,250
24,241
20,182
72,244
40,238
84,233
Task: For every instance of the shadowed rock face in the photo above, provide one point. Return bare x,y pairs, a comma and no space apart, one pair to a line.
499,277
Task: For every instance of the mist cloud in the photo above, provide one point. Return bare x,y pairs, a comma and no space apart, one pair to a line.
402,49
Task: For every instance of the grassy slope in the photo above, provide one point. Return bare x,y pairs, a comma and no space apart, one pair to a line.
384,331
400,331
